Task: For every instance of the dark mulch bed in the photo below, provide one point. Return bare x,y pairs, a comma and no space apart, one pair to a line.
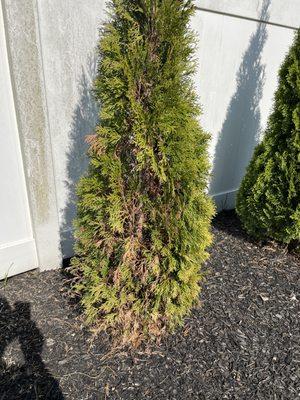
243,343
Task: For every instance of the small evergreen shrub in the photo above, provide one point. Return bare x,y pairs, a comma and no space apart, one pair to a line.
268,201
143,222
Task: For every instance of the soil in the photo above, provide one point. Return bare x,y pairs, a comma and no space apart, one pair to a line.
243,342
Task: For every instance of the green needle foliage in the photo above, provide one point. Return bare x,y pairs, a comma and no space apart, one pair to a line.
143,222
268,201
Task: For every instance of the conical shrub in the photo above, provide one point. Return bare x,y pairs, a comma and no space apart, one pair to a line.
268,201
143,222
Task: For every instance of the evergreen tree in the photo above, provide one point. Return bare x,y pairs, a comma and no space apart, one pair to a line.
143,221
268,200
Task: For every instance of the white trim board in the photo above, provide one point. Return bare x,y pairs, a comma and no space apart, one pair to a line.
17,257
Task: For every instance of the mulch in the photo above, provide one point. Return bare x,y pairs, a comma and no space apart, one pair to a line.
242,343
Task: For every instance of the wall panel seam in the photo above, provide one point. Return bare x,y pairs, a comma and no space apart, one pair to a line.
245,18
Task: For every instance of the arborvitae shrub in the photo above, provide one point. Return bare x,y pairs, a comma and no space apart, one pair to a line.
268,201
143,222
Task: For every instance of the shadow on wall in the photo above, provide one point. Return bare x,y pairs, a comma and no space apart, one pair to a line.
84,120
28,379
241,129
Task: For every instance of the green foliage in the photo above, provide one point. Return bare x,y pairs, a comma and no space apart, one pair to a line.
143,222
268,201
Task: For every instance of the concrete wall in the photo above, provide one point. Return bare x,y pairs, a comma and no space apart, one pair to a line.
69,34
238,61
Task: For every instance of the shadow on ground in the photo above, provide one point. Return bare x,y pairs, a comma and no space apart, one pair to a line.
242,343
28,378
